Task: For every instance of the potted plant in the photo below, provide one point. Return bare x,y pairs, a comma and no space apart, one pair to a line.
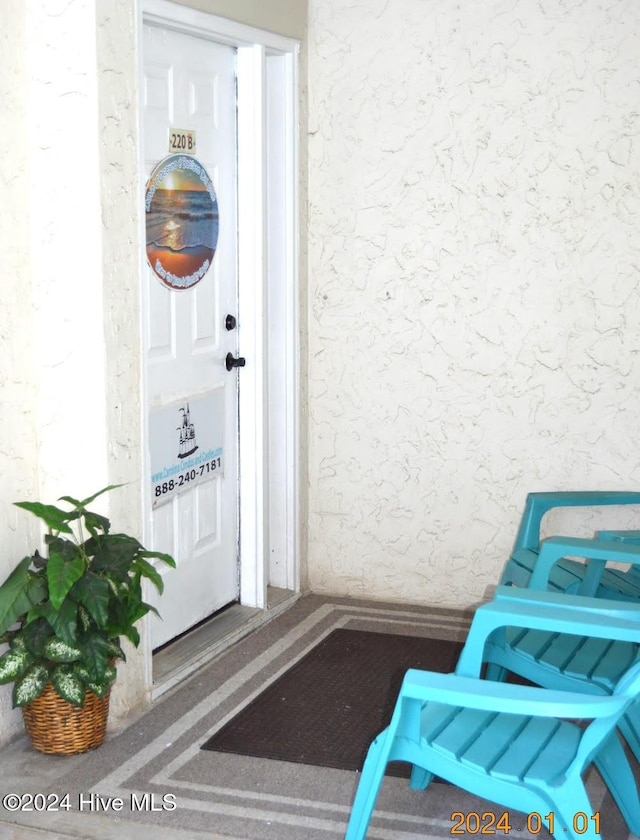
63,616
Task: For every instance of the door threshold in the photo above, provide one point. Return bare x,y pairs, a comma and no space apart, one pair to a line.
179,660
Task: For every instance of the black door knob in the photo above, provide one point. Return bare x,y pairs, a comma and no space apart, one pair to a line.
230,322
231,361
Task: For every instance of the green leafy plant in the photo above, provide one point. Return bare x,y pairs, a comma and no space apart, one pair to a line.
63,615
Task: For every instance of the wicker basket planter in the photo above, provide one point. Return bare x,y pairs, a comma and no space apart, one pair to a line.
65,612
56,727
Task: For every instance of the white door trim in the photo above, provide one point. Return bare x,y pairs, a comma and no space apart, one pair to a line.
269,321
268,293
252,305
225,31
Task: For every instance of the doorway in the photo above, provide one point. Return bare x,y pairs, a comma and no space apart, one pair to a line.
232,90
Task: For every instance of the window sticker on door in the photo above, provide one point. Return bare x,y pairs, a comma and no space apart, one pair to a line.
186,445
182,221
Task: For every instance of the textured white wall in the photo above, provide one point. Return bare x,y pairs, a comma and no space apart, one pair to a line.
17,389
70,315
65,248
474,279
121,247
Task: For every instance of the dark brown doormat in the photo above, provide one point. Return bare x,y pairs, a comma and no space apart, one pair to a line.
329,706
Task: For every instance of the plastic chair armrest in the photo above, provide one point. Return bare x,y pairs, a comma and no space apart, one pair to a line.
597,551
454,690
539,504
577,604
629,537
548,611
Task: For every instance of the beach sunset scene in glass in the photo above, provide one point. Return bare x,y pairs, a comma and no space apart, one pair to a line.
182,221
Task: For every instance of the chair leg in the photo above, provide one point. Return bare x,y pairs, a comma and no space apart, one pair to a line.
369,786
614,768
629,726
573,814
496,673
420,778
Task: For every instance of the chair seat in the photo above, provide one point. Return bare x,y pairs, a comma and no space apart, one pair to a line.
513,748
564,662
617,583
566,575
586,659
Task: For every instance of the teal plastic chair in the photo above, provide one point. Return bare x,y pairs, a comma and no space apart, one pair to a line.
510,744
569,643
566,574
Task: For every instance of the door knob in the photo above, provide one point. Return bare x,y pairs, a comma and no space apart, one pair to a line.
231,361
230,322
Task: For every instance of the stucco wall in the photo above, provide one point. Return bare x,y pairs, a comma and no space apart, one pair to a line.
474,294
70,314
120,208
17,421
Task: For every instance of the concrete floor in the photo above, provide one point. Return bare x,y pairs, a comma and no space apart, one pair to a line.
25,771
224,798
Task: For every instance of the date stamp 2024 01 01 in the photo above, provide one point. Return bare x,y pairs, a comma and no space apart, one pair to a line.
492,823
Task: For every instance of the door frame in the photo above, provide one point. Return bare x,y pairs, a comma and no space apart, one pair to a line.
268,257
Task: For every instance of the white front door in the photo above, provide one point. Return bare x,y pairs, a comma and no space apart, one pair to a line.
189,86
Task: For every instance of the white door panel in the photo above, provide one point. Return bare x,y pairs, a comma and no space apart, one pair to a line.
189,84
